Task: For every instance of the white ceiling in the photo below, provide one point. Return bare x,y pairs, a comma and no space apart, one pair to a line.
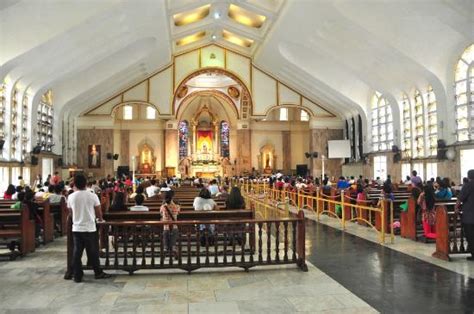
336,51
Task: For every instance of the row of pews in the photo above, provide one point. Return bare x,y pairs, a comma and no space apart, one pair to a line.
18,227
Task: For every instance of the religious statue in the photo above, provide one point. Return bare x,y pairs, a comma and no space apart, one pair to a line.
94,156
146,157
267,161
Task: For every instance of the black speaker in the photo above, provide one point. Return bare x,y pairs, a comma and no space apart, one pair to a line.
301,170
109,156
34,160
315,154
2,142
395,149
116,156
397,157
60,162
36,150
441,150
123,171
307,154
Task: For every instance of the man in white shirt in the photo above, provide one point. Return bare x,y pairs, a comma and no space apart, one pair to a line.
152,190
84,208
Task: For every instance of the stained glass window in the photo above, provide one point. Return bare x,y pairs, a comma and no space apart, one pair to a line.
464,91
225,139
24,128
2,110
14,125
183,139
406,135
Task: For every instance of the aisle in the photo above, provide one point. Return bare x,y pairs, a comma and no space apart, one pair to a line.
388,280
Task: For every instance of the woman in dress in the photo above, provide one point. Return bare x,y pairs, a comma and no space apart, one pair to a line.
426,201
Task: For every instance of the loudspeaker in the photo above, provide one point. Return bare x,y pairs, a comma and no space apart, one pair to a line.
397,157
60,162
441,150
109,156
2,142
116,156
36,149
307,154
315,154
123,170
395,149
34,160
301,170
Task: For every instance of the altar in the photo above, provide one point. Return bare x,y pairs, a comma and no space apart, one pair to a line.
205,155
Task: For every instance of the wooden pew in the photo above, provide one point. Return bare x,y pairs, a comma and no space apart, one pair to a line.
60,213
47,217
450,238
17,225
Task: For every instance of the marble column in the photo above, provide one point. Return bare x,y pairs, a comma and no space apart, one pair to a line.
286,145
244,152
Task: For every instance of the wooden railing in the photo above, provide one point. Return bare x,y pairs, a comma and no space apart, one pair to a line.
135,245
450,238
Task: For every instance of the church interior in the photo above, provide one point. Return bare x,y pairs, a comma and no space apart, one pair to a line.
250,93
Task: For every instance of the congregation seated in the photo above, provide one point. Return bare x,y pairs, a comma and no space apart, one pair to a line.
153,190
118,203
235,199
204,201
139,199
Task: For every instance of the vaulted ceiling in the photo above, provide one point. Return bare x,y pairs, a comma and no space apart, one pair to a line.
336,51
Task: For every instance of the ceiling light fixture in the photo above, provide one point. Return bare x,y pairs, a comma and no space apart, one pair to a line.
191,16
217,15
236,39
246,17
214,37
190,39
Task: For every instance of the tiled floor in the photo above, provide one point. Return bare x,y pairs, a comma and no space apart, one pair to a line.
35,284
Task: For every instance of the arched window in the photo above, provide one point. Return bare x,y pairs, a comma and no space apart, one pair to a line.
14,135
431,122
24,127
2,110
304,116
464,91
45,122
382,123
407,140
183,139
225,139
419,126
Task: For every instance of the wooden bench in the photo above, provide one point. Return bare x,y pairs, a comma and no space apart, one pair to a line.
450,238
44,210
16,225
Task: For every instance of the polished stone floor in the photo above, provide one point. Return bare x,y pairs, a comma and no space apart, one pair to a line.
34,284
388,280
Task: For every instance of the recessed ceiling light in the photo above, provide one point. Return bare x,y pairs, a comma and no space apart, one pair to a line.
191,16
191,38
214,37
236,39
246,17
217,15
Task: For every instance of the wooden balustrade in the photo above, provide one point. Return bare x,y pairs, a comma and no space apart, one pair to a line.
135,245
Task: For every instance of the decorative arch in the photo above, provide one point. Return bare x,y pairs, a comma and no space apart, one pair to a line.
246,98
215,93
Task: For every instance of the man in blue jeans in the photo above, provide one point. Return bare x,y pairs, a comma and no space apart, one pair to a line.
84,208
467,199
